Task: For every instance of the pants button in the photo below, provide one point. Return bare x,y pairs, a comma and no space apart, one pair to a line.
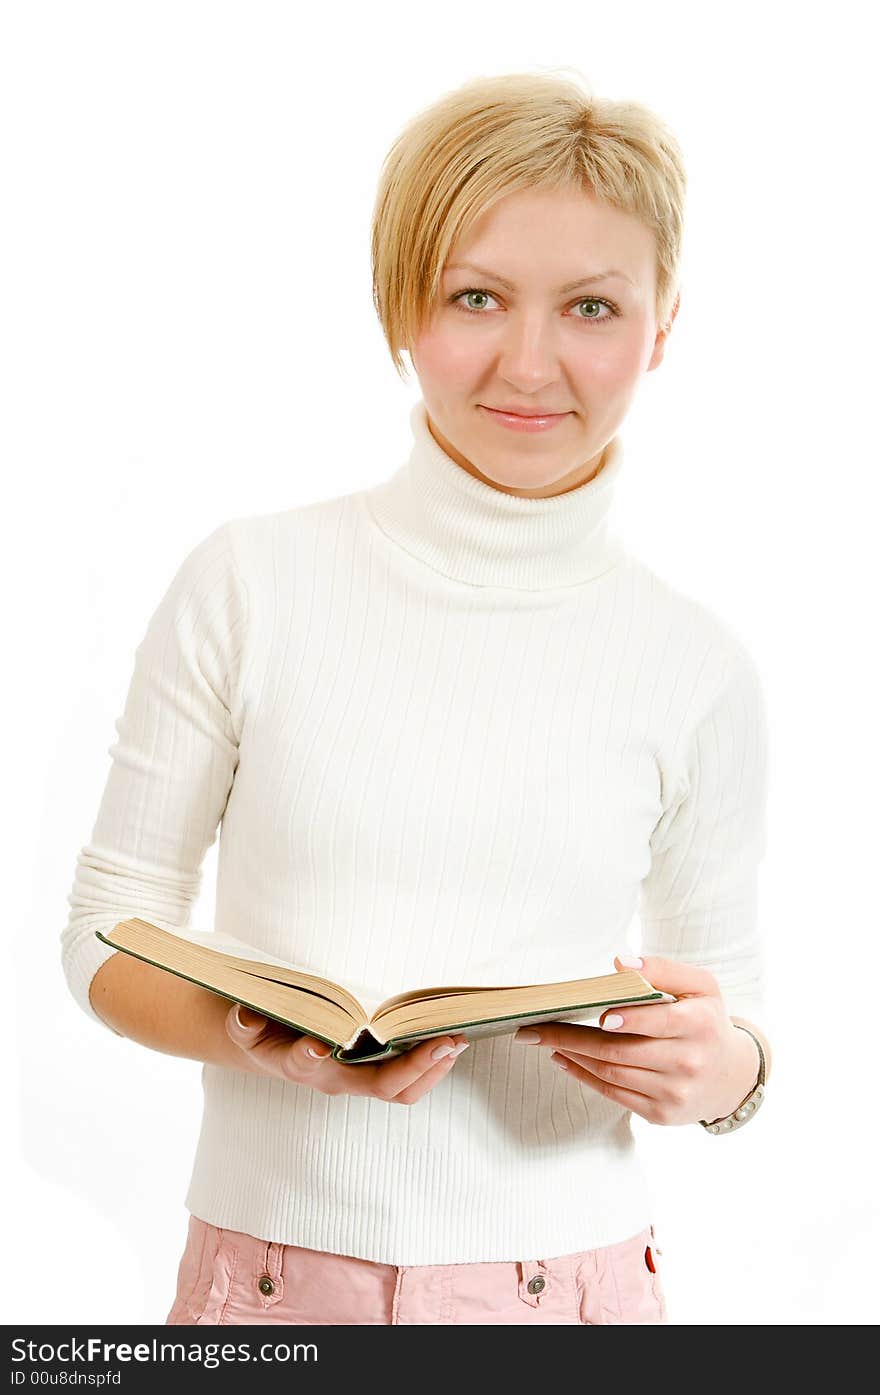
266,1285
536,1285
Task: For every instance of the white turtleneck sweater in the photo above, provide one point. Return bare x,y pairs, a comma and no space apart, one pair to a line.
449,735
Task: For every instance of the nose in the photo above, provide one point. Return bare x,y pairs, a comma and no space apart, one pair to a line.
529,355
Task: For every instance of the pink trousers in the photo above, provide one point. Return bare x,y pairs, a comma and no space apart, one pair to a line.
227,1277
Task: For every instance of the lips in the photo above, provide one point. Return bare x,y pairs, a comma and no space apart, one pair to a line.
520,412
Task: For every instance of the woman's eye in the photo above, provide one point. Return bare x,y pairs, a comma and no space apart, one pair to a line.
593,301
462,296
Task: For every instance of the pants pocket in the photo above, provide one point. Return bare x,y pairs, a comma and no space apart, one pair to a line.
204,1277
651,1253
621,1284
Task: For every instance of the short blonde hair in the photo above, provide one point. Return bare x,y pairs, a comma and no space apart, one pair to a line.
497,135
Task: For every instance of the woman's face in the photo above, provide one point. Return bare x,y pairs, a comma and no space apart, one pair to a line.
578,352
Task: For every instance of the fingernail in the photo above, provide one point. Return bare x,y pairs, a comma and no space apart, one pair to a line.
462,1046
613,1020
440,1051
631,961
526,1035
245,1026
318,1055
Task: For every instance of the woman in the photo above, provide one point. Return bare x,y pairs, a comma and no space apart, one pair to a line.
454,733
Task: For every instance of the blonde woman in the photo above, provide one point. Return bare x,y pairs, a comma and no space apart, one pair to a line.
454,733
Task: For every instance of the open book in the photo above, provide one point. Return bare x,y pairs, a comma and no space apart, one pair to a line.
317,1007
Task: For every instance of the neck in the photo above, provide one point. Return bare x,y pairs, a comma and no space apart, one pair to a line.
473,532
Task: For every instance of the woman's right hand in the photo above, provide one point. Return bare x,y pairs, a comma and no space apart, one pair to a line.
273,1049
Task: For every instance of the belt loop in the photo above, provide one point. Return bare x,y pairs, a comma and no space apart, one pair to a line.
268,1272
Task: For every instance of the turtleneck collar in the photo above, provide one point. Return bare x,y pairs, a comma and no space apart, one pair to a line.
475,533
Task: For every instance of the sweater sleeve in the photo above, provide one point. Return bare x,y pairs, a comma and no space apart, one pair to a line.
172,768
699,901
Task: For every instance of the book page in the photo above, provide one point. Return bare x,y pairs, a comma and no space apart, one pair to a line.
164,947
505,1026
418,1012
300,1006
224,943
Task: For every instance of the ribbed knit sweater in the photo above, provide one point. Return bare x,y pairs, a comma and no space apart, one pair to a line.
448,735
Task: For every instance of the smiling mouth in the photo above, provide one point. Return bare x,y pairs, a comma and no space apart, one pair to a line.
508,412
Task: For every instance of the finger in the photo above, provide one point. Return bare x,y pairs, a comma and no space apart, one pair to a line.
599,1045
642,1080
272,1044
243,1025
249,1029
639,1103
657,1020
673,975
298,1058
380,1079
649,1020
280,1051
425,1058
640,1052
421,1065
437,1071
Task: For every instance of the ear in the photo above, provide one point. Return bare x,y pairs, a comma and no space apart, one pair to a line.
662,336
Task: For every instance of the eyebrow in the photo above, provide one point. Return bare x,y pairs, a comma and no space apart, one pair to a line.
561,290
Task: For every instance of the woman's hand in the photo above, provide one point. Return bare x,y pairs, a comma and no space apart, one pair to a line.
672,1063
270,1048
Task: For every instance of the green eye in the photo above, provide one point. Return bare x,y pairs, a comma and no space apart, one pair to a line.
612,309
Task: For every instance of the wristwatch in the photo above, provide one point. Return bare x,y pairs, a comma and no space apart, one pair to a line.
752,1102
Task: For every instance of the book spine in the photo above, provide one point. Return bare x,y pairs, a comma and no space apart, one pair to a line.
364,1046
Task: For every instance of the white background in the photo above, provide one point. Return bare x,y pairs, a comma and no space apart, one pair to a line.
187,335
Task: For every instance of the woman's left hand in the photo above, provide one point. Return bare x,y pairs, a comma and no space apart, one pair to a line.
672,1063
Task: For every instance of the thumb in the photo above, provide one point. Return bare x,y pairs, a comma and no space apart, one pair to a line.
672,976
244,1025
